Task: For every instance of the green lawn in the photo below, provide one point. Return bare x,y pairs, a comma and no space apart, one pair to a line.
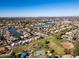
54,44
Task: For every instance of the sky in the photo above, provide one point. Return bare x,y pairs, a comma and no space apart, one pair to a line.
37,8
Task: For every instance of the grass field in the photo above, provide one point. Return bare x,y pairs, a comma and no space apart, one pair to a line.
40,44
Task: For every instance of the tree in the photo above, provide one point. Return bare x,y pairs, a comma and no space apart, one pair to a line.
76,50
47,42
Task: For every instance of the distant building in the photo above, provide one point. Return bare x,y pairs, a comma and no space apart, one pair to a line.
39,52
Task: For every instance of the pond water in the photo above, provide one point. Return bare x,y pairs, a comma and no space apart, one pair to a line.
14,32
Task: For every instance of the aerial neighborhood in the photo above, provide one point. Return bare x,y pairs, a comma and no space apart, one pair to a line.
39,37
